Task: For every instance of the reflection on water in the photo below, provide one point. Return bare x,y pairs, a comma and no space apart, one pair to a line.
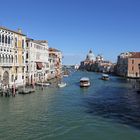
105,110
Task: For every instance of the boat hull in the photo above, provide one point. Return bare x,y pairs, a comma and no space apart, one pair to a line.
61,85
84,85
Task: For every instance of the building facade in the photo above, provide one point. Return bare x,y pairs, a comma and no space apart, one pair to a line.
97,64
12,57
55,63
128,64
25,61
37,61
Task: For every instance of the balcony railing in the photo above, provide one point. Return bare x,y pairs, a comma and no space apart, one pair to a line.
6,64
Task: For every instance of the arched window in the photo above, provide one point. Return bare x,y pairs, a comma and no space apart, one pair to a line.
6,39
9,40
2,57
2,38
7,59
11,59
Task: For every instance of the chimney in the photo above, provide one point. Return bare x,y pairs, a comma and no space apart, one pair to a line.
19,30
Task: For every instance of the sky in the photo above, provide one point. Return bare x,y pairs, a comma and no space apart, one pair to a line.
108,27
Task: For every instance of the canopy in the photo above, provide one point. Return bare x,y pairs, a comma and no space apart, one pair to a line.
39,65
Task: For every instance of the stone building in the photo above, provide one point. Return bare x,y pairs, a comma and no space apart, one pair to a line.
55,63
37,61
12,57
97,64
90,60
128,64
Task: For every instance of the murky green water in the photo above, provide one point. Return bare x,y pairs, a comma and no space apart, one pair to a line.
107,110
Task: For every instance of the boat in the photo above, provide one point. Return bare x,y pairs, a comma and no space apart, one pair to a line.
43,84
105,77
65,75
84,82
62,84
26,91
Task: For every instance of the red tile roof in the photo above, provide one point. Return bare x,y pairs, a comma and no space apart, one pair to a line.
135,55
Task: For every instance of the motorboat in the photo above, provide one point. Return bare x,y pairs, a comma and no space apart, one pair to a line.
62,84
43,84
105,77
65,75
84,82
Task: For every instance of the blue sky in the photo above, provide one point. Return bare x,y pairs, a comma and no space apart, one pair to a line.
108,27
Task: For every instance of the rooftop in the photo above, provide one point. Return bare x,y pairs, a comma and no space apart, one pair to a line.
17,32
135,55
53,50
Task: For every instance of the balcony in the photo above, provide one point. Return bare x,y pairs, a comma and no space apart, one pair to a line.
6,64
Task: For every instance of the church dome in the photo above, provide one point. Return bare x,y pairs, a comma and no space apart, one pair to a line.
90,56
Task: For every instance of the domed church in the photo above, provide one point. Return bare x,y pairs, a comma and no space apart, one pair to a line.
90,56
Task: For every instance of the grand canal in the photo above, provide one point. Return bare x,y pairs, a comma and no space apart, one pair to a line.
106,110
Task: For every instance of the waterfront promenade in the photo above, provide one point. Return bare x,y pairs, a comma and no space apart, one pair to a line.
105,110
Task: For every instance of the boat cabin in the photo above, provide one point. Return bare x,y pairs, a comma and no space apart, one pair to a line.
84,82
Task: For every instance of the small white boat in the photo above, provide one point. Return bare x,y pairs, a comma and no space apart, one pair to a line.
65,75
43,84
62,84
84,82
105,77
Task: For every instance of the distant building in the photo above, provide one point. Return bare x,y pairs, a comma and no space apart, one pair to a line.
90,59
97,64
90,56
76,66
99,58
128,64
55,63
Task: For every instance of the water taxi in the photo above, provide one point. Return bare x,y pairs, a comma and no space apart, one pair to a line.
62,84
84,82
105,77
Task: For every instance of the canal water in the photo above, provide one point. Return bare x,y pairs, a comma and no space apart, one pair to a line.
107,110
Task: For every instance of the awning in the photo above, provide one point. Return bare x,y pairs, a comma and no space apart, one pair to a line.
39,65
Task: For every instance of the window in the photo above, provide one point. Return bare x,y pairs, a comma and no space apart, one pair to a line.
27,68
22,43
132,61
23,70
132,68
12,59
16,70
12,78
2,38
9,40
16,42
16,77
22,59
16,58
6,39
26,55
